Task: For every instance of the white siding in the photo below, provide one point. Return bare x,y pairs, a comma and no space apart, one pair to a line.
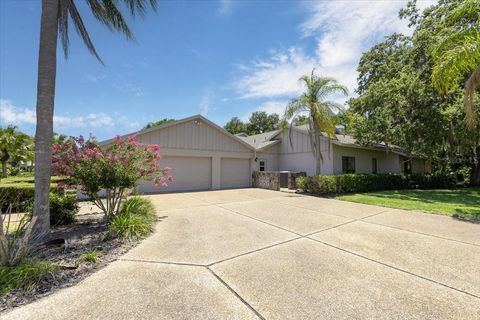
298,156
387,162
235,173
193,135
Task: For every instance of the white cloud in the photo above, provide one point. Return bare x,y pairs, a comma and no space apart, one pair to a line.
274,106
13,115
95,78
205,102
225,7
342,31
92,120
10,114
128,87
276,76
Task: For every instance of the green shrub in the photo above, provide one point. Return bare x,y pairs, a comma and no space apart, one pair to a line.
25,275
346,183
19,191
134,221
63,209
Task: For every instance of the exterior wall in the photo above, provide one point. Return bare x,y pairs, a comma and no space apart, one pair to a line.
193,136
387,162
298,156
297,162
190,139
418,166
270,155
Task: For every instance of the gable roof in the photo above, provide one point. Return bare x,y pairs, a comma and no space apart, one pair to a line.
262,140
177,122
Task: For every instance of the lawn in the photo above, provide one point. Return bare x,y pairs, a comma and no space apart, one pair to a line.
461,202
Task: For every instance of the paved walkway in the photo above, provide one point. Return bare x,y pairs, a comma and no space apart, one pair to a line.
258,254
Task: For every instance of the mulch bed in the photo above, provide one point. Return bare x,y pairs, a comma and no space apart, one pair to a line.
86,234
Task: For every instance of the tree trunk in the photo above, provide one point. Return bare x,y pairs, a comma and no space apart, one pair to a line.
4,168
475,175
47,68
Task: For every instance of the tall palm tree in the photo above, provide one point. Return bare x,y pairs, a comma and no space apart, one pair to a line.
458,55
319,111
13,145
56,15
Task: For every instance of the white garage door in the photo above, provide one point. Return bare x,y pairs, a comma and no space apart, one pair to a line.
235,173
189,173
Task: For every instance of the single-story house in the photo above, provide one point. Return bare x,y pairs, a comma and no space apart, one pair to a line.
205,156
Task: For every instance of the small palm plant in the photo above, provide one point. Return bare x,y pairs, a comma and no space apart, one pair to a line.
313,102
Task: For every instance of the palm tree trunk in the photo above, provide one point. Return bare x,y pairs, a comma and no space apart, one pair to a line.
47,68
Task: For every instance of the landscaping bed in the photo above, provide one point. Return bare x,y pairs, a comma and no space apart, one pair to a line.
89,247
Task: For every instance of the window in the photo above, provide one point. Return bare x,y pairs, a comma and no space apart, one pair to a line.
348,164
374,165
263,165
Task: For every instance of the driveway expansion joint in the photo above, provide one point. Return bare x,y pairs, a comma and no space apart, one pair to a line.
236,294
253,251
395,268
422,233
162,262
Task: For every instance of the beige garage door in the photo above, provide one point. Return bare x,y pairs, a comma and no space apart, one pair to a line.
235,173
189,173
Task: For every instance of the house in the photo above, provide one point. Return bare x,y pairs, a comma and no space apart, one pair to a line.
205,156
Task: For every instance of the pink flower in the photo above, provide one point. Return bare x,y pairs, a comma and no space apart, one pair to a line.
164,185
170,178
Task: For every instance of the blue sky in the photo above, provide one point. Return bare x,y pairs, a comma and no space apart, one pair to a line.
216,58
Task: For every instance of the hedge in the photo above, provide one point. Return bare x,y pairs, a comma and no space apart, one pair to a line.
19,191
345,183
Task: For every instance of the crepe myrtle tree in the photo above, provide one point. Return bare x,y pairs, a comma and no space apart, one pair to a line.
113,169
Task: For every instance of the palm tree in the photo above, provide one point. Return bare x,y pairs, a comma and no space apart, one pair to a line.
13,145
319,110
458,55
55,18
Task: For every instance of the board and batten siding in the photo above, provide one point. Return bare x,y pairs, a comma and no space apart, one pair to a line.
190,145
298,156
193,135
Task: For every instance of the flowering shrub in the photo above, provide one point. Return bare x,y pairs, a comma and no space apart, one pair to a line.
113,168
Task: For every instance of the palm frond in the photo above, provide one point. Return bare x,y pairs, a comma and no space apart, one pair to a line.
81,30
63,25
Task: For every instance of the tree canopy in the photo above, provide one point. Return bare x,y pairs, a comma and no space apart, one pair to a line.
398,102
157,123
258,122
15,146
235,125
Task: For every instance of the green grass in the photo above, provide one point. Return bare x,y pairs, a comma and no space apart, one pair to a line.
90,256
25,276
453,202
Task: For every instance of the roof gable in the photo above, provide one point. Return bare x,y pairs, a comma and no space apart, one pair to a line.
187,138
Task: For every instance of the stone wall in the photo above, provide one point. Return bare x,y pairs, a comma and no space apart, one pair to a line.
266,180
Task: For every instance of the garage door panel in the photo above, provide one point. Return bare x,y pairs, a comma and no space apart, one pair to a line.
235,173
189,173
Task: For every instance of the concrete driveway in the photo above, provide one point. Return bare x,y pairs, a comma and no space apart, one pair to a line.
258,254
